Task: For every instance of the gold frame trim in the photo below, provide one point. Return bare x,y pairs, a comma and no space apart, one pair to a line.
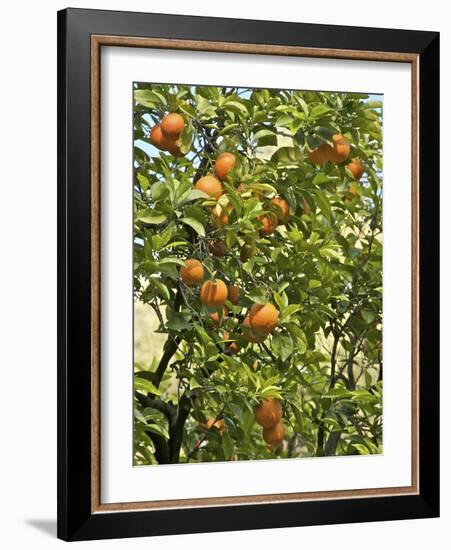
97,41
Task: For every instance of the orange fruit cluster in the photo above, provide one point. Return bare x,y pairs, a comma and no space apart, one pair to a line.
268,414
337,152
165,135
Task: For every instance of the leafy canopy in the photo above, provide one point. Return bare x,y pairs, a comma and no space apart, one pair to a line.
321,269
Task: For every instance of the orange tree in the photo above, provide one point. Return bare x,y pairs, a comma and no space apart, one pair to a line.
258,246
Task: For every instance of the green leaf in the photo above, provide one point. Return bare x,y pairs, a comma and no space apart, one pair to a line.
319,111
258,295
320,179
158,429
281,299
265,137
176,261
193,384
196,225
236,106
299,337
178,322
192,195
368,315
186,139
287,155
313,283
143,181
339,392
282,345
144,385
204,107
148,98
159,191
290,310
303,105
151,217
227,445
324,205
361,448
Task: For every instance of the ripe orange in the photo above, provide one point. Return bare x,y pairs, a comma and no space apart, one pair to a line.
219,215
209,185
356,168
218,248
172,125
158,140
233,294
193,272
213,293
218,424
340,150
269,222
281,208
268,412
274,435
250,335
224,163
320,155
215,316
246,252
263,318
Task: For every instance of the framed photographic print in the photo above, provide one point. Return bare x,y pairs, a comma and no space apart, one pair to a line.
248,274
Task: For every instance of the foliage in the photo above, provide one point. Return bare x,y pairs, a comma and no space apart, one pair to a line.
322,270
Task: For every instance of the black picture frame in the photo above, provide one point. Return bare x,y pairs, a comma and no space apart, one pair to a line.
76,520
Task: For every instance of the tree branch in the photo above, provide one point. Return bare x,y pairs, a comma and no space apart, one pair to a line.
177,427
170,348
152,402
161,447
320,441
332,443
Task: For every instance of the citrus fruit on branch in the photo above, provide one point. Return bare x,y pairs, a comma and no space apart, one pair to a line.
225,162
172,125
233,294
268,412
192,273
159,140
263,318
249,334
338,152
356,168
274,435
209,185
269,222
320,155
213,293
281,208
